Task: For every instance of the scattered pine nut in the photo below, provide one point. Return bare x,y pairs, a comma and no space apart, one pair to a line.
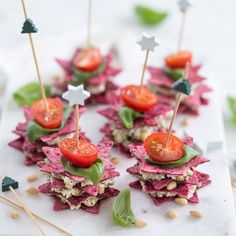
32,178
196,214
140,223
115,160
32,191
171,185
233,182
181,201
101,189
185,122
14,214
172,214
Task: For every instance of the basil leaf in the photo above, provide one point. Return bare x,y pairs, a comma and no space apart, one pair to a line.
122,213
30,93
148,16
80,77
189,153
128,115
34,130
94,173
232,107
174,74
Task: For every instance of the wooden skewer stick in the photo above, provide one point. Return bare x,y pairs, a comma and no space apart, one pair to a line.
181,32
178,100
42,90
77,124
89,26
143,71
10,202
26,209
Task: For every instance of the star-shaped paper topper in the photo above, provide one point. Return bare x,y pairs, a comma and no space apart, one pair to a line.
76,95
148,42
184,5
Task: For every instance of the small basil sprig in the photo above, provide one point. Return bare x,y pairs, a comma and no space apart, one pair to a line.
35,131
94,173
189,154
174,74
80,77
122,213
29,93
148,16
232,107
128,115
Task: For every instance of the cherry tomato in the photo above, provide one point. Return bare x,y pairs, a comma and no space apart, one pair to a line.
88,60
154,146
178,60
51,119
140,100
83,156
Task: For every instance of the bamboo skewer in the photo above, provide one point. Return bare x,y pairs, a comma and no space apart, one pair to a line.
10,202
42,90
143,71
178,100
89,26
181,32
77,124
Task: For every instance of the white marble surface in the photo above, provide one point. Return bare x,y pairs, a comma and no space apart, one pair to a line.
216,200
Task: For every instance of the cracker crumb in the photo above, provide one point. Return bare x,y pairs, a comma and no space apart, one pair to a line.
115,160
140,223
196,214
171,214
32,191
31,178
14,214
185,122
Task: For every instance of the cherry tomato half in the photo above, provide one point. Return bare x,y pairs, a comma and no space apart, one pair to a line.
178,60
88,60
82,156
153,145
140,100
51,119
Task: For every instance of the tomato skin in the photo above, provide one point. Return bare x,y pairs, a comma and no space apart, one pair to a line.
178,60
88,59
140,101
54,116
153,145
82,156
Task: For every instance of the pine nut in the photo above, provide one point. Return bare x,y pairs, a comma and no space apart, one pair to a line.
32,178
171,185
32,191
196,214
115,160
172,214
181,201
14,214
140,223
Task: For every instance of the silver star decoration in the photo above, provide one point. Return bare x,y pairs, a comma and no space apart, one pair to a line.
76,95
148,42
184,5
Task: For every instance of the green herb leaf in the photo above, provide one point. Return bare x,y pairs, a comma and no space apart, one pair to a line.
122,213
128,115
79,76
29,93
148,16
189,153
34,130
94,173
232,107
174,74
